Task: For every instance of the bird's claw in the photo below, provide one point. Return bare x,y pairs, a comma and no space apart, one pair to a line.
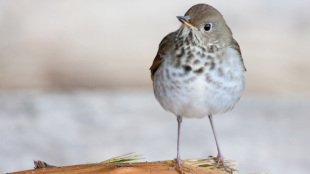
220,161
178,165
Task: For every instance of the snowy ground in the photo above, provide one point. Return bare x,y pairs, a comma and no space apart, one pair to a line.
65,128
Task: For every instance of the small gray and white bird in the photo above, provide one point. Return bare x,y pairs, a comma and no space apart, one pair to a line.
198,70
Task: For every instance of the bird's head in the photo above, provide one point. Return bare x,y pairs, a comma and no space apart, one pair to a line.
206,24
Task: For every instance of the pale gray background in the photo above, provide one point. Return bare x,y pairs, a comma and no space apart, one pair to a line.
75,85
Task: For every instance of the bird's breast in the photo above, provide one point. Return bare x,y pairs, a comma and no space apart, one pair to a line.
194,82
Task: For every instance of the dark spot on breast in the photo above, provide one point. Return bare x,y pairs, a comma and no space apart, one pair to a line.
182,53
211,49
212,66
187,68
198,53
196,61
177,65
188,48
174,74
199,71
190,35
210,57
206,64
176,46
186,41
203,48
167,74
181,43
190,55
180,32
220,72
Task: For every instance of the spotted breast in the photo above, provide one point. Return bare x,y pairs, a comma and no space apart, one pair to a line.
195,79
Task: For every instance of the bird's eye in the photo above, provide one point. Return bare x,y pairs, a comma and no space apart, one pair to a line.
207,27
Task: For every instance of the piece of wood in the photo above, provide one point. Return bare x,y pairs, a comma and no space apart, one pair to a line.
126,164
121,168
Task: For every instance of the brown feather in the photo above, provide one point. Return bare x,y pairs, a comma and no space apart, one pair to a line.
236,46
164,46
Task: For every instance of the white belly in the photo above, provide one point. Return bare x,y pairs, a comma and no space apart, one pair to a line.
196,96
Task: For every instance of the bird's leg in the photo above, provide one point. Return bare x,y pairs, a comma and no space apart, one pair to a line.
177,160
219,159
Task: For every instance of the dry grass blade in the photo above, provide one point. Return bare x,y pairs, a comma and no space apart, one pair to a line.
208,162
127,158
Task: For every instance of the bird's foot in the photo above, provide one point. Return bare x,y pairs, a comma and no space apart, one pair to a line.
220,162
178,164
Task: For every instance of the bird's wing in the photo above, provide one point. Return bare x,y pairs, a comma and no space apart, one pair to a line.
164,46
236,46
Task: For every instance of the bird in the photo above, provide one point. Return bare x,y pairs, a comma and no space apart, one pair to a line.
198,71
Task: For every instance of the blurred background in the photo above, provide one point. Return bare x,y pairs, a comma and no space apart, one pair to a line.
75,85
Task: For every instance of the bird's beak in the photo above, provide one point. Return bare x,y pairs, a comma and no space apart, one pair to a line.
185,21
